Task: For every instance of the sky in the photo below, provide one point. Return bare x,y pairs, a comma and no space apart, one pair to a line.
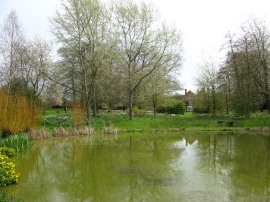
203,23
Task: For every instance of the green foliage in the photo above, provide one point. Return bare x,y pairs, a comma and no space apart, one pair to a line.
6,198
18,142
138,111
53,121
200,110
173,107
9,152
8,174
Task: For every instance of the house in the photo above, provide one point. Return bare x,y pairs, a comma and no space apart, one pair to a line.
187,98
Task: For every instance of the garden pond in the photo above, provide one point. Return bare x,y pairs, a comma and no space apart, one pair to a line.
156,167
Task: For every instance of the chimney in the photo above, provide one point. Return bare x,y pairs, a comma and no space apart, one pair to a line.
185,91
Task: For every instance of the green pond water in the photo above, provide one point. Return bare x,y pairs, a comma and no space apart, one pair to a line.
163,167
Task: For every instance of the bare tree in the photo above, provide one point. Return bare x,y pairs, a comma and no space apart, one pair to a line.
36,62
11,42
207,78
257,43
248,67
145,45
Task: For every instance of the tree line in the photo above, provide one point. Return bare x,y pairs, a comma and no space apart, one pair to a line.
107,54
241,82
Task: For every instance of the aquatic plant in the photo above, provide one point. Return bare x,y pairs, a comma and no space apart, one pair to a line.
83,131
110,131
39,134
61,132
19,142
8,174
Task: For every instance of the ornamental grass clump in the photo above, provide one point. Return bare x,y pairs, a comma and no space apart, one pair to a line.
8,174
17,114
39,134
77,114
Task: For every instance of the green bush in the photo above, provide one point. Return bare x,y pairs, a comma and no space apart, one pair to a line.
9,152
138,111
176,108
8,174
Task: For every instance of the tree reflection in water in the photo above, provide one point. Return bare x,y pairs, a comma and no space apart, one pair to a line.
168,167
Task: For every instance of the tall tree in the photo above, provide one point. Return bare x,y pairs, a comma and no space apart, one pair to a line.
207,78
11,42
36,64
81,29
257,42
145,44
248,67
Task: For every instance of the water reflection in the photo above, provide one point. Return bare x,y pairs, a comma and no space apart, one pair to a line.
193,167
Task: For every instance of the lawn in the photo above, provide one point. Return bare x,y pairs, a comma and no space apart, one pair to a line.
149,123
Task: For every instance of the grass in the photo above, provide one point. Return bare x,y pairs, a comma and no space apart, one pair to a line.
160,123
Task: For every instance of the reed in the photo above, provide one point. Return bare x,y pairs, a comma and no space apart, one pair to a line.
39,134
110,131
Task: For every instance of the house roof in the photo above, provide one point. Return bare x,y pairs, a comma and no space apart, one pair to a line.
188,95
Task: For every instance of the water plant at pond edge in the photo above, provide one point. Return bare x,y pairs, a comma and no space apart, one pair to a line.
8,174
19,142
66,132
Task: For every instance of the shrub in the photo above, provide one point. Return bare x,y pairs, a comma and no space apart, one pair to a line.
138,111
9,152
8,174
176,107
17,114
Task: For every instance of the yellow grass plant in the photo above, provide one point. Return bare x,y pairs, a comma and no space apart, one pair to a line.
16,113
77,113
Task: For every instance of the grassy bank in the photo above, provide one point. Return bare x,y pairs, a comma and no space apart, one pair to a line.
52,119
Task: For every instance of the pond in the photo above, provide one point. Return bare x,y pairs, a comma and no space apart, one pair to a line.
158,167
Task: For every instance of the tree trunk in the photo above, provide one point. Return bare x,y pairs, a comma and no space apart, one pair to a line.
88,110
227,103
94,102
130,106
154,105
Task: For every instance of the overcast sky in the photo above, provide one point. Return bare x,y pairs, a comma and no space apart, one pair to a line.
203,23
